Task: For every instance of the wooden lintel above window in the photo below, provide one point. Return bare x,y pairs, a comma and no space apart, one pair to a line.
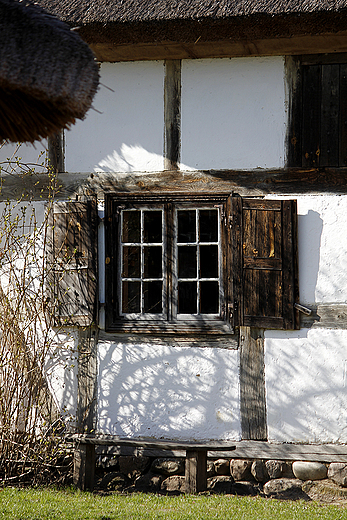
246,183
302,44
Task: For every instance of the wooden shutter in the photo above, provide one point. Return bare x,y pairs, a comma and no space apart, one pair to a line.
264,263
74,250
320,103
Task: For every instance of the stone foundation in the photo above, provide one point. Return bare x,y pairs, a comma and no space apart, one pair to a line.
271,478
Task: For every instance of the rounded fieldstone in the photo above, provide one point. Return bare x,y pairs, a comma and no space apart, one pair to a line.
222,467
283,487
210,469
168,467
274,468
246,488
220,484
240,469
309,470
337,472
259,471
174,484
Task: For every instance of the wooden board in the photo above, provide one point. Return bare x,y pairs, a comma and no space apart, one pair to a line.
245,183
114,440
247,449
252,384
87,380
272,451
316,43
172,114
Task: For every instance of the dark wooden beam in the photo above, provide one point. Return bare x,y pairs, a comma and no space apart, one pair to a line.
329,316
168,50
196,471
172,114
56,152
287,181
84,467
252,384
87,380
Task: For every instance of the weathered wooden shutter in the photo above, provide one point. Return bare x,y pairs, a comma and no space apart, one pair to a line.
264,263
74,251
318,130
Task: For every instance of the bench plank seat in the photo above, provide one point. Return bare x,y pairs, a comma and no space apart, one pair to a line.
196,456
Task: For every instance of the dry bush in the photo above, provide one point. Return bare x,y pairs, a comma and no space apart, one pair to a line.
31,445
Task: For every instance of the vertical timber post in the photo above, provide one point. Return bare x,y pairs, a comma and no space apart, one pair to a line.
252,384
172,114
196,471
56,152
84,459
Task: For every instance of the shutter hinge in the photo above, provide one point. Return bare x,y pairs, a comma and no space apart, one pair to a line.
223,217
227,311
303,309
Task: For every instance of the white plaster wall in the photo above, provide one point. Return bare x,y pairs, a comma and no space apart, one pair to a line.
233,113
306,385
322,230
125,131
173,392
306,370
61,371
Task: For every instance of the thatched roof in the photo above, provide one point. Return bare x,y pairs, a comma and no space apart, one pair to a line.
133,21
48,75
83,12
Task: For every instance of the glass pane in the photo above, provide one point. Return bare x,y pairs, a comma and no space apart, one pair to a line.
131,262
153,294
186,224
208,225
187,299
187,265
131,297
131,226
209,298
152,262
208,261
152,226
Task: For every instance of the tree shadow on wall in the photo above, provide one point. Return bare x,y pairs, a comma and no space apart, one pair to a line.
178,392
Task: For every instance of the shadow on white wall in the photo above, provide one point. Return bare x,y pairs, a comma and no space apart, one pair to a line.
176,392
133,158
306,385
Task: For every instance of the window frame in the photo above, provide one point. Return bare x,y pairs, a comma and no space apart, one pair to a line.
169,323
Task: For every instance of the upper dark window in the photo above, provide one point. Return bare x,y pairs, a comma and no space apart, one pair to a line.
318,130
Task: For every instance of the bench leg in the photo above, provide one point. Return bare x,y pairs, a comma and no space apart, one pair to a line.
196,471
84,466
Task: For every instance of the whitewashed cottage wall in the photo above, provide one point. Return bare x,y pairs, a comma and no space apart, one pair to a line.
234,116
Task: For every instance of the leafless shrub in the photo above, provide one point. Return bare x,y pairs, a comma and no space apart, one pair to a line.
31,445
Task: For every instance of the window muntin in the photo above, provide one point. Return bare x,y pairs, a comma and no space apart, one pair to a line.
197,273
194,266
142,273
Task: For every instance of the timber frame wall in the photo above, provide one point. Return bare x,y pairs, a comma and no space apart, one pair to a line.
287,181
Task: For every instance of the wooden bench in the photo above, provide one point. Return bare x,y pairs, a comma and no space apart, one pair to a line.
196,457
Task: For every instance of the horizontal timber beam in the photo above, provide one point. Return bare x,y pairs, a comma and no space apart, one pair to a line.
328,315
302,44
285,181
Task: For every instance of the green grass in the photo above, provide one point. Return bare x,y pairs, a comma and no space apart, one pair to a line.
48,504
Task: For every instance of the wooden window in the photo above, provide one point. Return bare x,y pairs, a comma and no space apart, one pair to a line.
318,129
179,263
166,265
